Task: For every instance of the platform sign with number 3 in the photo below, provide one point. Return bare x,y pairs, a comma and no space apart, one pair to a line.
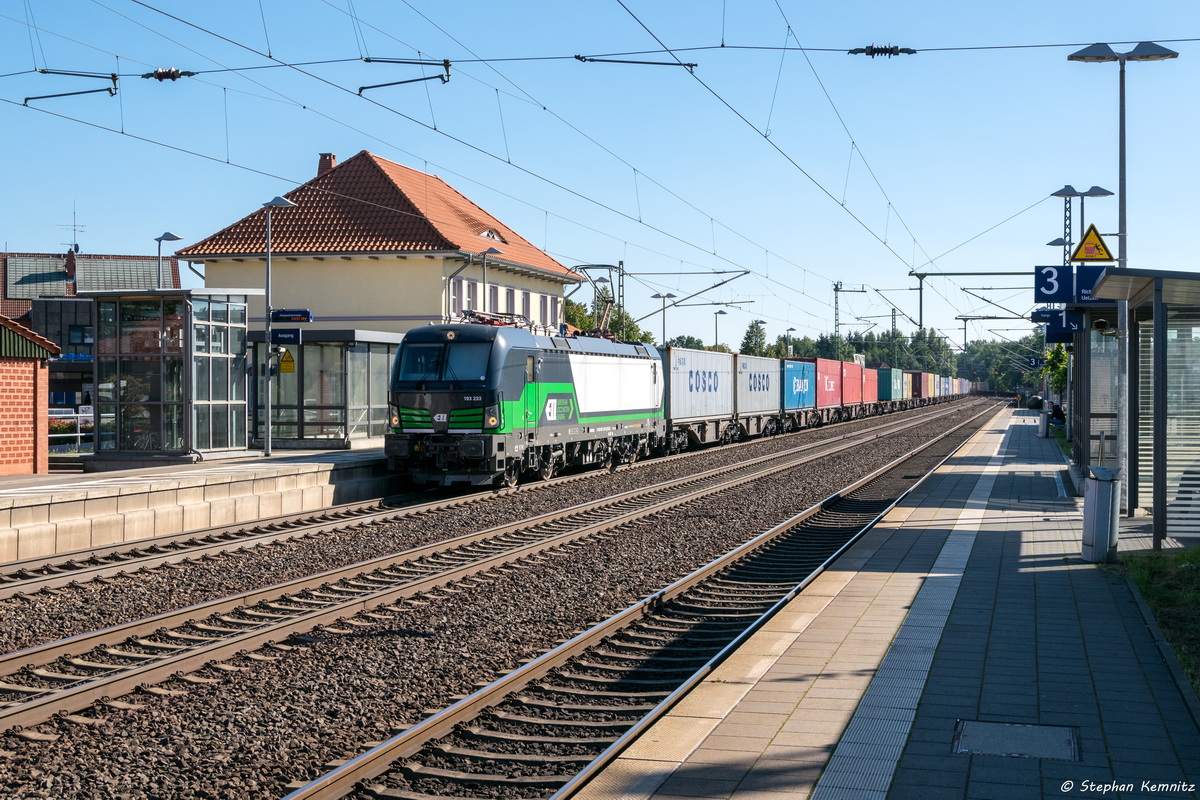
1053,285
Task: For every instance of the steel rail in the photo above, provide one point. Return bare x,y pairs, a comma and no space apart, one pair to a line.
31,575
379,759
193,655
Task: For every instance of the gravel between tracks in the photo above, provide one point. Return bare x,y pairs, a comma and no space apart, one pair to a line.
251,734
71,611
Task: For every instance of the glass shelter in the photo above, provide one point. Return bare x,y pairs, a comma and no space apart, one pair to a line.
170,376
330,391
1163,472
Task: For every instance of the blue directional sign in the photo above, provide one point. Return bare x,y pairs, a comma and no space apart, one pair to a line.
1063,326
1086,276
1059,336
1042,314
1071,321
285,336
291,315
1035,362
1053,285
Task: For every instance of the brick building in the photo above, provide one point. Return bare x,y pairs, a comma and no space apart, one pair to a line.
24,399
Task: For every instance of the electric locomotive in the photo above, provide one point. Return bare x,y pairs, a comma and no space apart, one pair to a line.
483,403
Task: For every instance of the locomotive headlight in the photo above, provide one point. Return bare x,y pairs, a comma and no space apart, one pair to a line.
395,420
491,416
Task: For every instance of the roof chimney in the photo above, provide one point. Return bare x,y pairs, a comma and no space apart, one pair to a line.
328,161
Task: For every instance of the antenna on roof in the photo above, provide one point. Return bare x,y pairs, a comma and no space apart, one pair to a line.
76,229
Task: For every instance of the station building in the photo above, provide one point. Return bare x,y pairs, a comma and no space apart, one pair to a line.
375,245
372,249
41,292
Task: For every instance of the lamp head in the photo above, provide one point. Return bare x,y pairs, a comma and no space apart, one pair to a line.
1097,191
1095,53
167,237
720,312
1066,191
278,202
1149,51
1059,242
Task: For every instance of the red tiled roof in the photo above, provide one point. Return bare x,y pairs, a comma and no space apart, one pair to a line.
24,332
371,205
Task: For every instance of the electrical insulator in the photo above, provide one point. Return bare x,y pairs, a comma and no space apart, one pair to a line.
168,74
882,50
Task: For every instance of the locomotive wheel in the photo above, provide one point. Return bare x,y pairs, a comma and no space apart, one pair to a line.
512,474
548,469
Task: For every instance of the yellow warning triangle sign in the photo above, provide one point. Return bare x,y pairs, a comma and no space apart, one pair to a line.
1092,248
286,362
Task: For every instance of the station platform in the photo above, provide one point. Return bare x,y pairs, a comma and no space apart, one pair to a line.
45,515
961,649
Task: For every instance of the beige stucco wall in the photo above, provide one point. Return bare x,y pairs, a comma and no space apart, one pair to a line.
383,294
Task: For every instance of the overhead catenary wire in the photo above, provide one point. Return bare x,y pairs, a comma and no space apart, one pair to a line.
339,121
459,140
712,222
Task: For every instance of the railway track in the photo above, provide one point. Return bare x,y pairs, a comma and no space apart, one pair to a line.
67,676
546,728
29,576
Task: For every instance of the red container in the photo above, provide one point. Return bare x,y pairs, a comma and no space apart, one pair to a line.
852,384
829,381
870,385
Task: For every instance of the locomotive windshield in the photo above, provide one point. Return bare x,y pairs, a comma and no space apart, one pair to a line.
436,361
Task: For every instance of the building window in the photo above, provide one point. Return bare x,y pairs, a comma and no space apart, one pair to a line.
79,334
554,311
472,295
526,310
456,297
543,308
493,298
510,300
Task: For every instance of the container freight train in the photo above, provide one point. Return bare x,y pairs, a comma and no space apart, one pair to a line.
486,404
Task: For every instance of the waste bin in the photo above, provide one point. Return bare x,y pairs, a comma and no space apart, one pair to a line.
1101,511
1043,424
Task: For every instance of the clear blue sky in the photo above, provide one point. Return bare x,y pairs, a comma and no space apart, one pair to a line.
804,167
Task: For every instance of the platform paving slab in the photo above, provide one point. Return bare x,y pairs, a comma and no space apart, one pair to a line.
967,605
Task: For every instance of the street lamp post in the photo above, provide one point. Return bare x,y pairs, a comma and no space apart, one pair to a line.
788,340
1099,53
720,312
166,237
664,298
277,202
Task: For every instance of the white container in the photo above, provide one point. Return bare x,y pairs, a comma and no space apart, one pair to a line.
700,384
757,385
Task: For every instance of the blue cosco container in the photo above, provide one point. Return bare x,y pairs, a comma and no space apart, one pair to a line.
799,385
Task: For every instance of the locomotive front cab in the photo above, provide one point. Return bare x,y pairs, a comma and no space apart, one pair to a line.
446,405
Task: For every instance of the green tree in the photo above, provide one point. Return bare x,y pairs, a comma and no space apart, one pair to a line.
1055,369
690,342
754,343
